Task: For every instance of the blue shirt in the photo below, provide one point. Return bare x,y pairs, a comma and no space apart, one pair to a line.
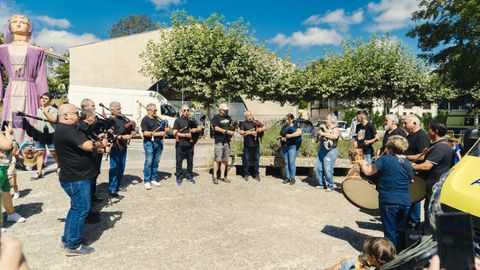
394,182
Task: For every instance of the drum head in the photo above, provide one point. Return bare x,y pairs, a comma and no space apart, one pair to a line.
418,189
360,193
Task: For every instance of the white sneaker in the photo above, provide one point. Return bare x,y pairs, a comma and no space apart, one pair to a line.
15,195
15,218
156,183
3,230
148,186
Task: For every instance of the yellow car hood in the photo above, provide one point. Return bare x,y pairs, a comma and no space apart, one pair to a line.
461,189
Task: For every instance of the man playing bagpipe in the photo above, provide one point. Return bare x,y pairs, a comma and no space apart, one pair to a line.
252,130
154,130
186,132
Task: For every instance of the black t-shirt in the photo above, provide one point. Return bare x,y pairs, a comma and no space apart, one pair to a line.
441,156
249,140
75,164
183,125
151,124
366,132
223,122
118,126
417,142
397,131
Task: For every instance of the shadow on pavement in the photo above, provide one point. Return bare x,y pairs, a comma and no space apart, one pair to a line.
93,232
354,238
25,210
162,176
128,179
25,192
369,225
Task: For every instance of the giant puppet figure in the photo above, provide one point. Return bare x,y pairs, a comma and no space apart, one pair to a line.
24,65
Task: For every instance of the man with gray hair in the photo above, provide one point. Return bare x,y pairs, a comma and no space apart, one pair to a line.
251,130
391,128
221,124
418,141
154,130
118,153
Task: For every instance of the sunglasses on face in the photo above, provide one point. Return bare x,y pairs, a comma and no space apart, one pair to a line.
187,110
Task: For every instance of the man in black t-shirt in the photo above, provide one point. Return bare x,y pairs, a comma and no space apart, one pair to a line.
251,130
222,125
438,161
184,129
418,142
391,128
77,168
366,136
118,154
154,130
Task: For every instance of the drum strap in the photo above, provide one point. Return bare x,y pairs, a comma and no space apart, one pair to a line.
409,172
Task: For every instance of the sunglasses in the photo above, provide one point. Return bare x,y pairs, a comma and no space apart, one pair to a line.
187,110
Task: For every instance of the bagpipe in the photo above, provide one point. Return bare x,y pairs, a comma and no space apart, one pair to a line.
163,123
258,134
127,128
187,129
44,136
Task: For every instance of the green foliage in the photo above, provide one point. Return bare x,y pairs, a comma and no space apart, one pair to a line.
349,115
378,69
449,34
378,120
427,118
4,74
133,24
58,84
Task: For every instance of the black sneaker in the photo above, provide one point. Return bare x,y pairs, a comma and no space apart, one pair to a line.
215,180
225,180
191,180
257,178
179,181
81,250
96,199
113,194
245,178
92,218
285,181
292,182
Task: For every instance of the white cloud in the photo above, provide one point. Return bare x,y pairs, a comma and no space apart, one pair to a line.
390,15
7,9
337,19
62,23
314,36
62,40
164,4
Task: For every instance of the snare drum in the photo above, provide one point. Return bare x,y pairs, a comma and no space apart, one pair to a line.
418,189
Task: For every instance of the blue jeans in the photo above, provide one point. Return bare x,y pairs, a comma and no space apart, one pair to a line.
368,158
325,166
289,154
394,219
153,151
118,159
414,214
251,154
79,193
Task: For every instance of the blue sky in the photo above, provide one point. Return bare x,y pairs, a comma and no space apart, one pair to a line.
306,27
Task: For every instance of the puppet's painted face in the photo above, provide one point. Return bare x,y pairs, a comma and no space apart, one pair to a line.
20,25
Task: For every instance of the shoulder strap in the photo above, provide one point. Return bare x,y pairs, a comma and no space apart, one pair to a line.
409,172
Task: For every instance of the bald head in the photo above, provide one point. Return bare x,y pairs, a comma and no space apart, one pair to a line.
68,114
411,123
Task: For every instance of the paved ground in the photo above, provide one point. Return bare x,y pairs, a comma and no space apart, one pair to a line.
242,225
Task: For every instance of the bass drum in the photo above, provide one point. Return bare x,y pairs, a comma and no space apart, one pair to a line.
363,194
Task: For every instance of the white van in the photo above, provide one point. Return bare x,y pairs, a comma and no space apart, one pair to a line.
129,99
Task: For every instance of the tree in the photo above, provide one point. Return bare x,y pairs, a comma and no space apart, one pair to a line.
380,69
4,74
59,83
133,24
448,33
210,60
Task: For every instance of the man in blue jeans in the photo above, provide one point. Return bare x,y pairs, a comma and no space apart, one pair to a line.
75,158
154,130
118,154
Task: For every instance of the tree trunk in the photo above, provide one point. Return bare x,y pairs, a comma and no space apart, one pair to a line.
206,132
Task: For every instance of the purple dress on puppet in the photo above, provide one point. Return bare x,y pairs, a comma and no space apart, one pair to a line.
27,81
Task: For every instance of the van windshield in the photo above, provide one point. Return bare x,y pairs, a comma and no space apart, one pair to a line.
475,151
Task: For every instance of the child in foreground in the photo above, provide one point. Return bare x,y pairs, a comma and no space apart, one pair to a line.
377,251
